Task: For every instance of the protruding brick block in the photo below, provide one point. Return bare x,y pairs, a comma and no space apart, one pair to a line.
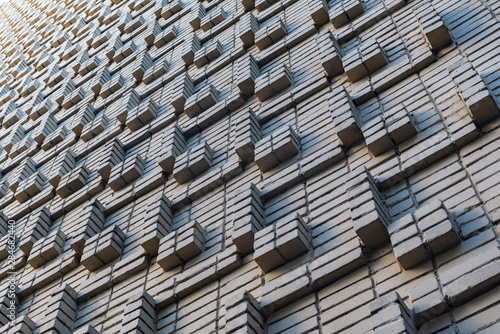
243,314
477,97
430,231
166,36
88,223
110,155
197,13
63,163
248,71
29,187
270,34
21,325
207,53
248,132
345,117
318,9
157,224
276,148
249,25
16,135
54,138
126,172
112,86
204,99
143,62
432,26
46,127
61,311
139,315
248,217
427,301
73,181
389,314
22,172
84,116
125,51
361,62
141,115
126,104
193,162
213,18
329,52
173,145
171,8
183,89
191,45
47,249
102,248
99,80
156,71
182,245
368,210
94,127
279,243
399,124
273,82
345,12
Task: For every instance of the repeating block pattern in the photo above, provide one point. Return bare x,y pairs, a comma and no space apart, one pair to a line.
36,228
157,223
73,181
346,11
315,155
90,221
417,237
173,145
385,132
345,117
248,218
248,134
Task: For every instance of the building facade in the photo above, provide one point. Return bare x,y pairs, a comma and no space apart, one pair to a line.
249,166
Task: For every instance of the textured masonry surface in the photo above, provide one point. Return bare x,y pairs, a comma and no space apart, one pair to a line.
250,166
